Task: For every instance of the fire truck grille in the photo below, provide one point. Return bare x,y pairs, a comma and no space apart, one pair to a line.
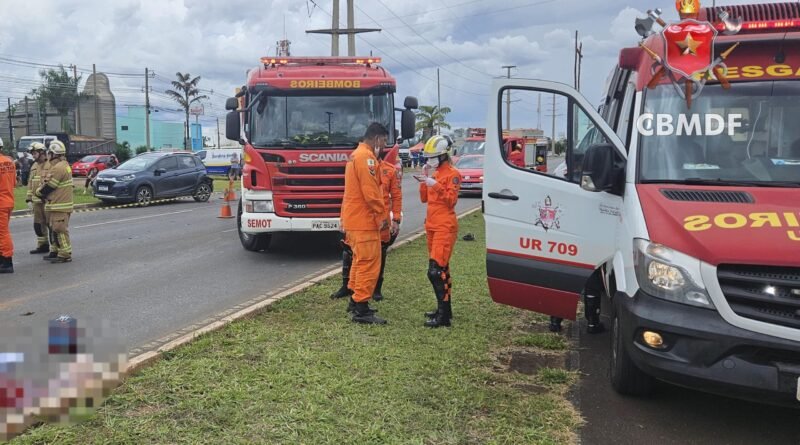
331,182
763,293
309,206
312,170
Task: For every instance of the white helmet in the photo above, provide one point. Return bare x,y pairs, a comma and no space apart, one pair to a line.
57,148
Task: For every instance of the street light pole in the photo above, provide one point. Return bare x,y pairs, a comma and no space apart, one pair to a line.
508,98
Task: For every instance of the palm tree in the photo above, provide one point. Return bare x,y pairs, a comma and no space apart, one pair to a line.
61,91
186,93
430,117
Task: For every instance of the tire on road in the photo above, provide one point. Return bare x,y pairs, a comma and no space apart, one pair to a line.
251,242
202,193
143,196
626,377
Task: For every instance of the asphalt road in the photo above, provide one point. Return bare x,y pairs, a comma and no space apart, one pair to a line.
153,271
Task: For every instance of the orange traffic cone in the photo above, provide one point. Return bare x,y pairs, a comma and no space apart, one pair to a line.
230,195
225,211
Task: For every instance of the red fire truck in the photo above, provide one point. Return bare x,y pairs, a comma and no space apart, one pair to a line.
299,118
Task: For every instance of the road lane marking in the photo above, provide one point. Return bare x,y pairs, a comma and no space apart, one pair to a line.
232,230
131,219
16,301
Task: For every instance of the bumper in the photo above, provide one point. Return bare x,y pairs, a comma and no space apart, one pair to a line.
269,222
472,187
116,192
705,352
80,172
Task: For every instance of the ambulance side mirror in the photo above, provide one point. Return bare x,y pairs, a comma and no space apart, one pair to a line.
603,170
231,103
408,124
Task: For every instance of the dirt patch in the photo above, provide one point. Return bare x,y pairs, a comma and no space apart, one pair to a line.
529,362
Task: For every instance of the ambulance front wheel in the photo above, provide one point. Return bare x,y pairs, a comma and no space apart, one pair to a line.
251,242
626,377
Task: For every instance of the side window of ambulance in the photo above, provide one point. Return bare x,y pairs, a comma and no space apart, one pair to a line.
556,130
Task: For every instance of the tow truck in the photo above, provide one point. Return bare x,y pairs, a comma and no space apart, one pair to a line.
298,119
692,234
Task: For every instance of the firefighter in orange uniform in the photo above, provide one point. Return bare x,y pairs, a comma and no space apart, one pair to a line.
363,219
440,190
390,178
8,180
517,157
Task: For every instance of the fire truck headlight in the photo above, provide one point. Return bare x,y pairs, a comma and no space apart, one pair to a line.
670,275
259,207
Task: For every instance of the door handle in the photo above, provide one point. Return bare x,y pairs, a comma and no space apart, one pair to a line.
502,196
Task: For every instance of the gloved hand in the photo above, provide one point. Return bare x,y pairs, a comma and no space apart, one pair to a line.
395,228
30,205
384,224
430,182
426,169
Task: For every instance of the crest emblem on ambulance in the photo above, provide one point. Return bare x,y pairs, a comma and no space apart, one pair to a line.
549,215
689,47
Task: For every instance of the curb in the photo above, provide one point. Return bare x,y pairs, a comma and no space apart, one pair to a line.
141,360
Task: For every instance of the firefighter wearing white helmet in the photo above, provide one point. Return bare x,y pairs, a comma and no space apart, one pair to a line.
40,168
439,188
56,191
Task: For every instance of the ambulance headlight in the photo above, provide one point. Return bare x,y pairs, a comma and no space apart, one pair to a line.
670,275
259,207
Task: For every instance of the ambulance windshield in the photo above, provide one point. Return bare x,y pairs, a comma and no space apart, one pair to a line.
472,148
746,135
318,121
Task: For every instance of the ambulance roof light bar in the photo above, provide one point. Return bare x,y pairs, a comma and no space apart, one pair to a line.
274,61
783,16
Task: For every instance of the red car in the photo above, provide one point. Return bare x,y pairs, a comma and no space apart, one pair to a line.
471,169
92,162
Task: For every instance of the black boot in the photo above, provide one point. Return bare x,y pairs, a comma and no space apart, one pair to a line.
6,265
555,324
51,257
40,249
378,295
347,264
442,318
363,314
438,278
351,306
591,304
432,314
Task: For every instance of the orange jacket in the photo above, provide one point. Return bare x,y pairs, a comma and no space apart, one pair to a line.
390,186
517,158
8,180
363,207
442,199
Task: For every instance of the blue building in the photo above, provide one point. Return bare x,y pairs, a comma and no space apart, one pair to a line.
163,134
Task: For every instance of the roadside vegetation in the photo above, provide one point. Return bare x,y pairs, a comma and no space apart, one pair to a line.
301,372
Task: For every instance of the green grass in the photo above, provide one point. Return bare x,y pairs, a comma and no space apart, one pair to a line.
78,197
301,372
551,342
221,183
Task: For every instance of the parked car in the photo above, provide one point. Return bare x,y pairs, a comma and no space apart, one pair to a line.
471,169
89,163
152,176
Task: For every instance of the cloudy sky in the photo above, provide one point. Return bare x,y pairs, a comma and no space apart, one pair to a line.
468,40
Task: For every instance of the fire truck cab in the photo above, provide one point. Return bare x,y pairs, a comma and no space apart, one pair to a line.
299,118
691,229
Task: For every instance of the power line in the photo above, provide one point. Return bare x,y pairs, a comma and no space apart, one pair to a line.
481,14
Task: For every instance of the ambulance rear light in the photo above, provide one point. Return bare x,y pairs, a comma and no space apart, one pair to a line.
275,61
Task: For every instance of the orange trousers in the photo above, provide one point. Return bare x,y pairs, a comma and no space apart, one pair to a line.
440,246
366,269
6,244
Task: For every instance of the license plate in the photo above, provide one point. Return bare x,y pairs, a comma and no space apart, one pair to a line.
324,225
102,188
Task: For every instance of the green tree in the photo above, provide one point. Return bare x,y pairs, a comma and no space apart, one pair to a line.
185,94
430,118
61,91
123,151
141,149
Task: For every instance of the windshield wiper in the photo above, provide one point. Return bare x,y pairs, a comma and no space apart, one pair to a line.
727,182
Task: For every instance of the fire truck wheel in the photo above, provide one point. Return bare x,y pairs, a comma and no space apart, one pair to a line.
626,377
251,242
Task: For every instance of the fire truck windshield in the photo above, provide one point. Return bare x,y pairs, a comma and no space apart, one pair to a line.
471,148
747,135
319,121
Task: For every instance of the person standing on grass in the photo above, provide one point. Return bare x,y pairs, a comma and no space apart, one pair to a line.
363,218
8,179
439,189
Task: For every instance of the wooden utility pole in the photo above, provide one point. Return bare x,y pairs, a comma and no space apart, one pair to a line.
351,30
508,98
96,103
27,119
77,101
219,141
578,61
10,124
147,107
553,134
